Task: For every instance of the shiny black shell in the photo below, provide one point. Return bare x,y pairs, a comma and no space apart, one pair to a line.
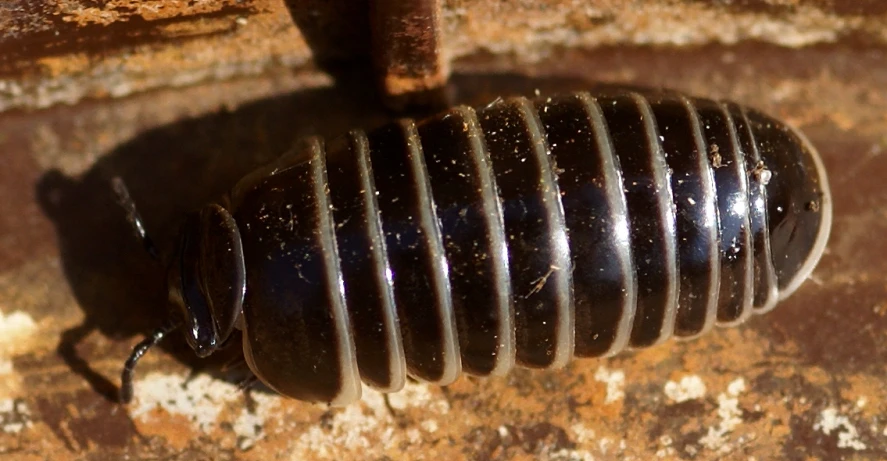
524,233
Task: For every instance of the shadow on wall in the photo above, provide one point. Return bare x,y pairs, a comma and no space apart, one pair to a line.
178,167
337,31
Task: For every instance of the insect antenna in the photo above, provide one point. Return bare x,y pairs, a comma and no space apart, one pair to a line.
138,351
135,220
133,216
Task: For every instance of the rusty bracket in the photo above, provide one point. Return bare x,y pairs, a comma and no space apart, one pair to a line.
407,51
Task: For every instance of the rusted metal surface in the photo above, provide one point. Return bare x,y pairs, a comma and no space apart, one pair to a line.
64,51
54,51
807,381
408,50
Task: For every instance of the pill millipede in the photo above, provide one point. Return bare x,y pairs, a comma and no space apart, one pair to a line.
523,233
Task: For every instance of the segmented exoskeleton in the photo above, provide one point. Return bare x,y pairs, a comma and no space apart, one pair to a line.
524,233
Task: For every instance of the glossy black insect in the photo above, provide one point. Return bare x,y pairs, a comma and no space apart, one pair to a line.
521,234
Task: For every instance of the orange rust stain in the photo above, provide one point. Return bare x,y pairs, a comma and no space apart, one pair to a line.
176,430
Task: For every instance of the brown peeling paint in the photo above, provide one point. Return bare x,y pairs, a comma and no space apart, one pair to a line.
76,27
80,422
23,229
63,51
54,51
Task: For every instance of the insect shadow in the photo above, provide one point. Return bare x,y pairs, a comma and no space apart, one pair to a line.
178,167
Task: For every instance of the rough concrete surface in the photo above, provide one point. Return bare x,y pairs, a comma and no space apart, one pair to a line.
806,381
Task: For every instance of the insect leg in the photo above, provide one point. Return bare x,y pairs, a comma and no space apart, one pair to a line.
137,353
